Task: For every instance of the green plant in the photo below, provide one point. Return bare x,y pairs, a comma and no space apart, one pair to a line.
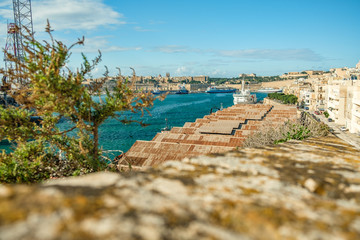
43,85
299,130
326,114
294,132
286,99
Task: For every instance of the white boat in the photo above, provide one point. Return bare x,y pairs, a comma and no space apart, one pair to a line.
220,89
156,91
244,96
269,90
182,90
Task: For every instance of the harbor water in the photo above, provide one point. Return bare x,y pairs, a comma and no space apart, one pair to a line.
177,109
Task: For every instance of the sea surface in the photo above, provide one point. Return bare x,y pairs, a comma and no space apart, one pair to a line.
177,109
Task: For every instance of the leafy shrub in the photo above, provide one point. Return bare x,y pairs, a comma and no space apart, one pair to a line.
286,99
46,87
298,131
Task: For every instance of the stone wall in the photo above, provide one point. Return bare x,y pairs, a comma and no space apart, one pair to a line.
296,190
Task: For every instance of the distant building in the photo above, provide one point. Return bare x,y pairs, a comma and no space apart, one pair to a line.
294,75
355,112
319,87
313,73
340,73
202,79
343,103
181,79
307,96
247,75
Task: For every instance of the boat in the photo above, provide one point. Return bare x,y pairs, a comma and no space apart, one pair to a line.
182,90
166,128
220,89
244,96
156,91
269,90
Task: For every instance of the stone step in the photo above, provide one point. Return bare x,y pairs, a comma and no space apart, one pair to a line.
200,139
148,153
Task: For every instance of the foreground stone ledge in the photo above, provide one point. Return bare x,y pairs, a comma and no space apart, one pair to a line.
296,190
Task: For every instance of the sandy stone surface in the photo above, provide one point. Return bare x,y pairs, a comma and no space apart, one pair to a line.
296,190
277,84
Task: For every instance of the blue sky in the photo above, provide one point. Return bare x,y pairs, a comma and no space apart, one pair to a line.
204,37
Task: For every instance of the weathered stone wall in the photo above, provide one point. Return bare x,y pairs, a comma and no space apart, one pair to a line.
297,190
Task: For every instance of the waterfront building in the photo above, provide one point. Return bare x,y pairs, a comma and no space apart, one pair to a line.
336,91
343,103
355,113
319,87
307,96
300,89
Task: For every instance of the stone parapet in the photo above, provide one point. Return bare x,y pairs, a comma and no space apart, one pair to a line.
296,190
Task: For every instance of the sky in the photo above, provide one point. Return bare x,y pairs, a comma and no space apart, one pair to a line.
217,38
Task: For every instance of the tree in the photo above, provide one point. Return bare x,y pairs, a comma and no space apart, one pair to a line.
326,114
286,99
51,90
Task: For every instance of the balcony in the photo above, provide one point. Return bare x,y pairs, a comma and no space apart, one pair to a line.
356,101
356,114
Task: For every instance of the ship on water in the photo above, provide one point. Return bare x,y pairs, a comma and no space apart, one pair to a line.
220,89
156,91
269,90
244,96
182,90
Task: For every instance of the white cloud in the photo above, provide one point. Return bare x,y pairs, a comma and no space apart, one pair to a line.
74,14
5,3
155,22
248,54
174,49
272,54
141,29
181,70
67,14
7,13
218,72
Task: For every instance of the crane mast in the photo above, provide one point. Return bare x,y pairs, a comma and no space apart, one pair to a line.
23,21
15,31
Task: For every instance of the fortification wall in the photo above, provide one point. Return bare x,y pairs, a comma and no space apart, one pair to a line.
297,190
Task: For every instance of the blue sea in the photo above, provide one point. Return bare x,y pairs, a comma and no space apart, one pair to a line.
177,109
